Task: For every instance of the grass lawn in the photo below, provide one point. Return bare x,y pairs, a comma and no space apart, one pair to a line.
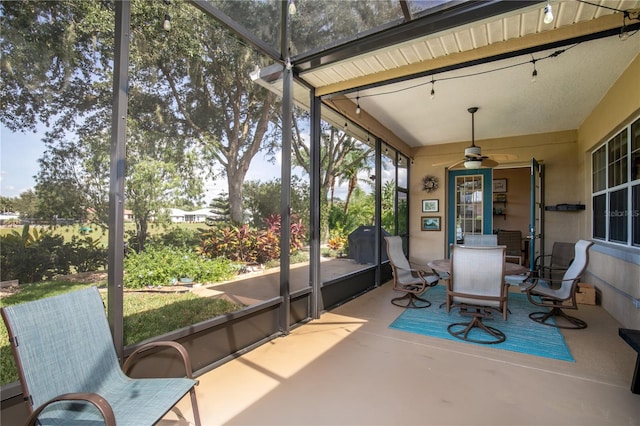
98,233
145,314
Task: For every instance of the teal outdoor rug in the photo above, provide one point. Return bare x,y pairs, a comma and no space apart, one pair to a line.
523,334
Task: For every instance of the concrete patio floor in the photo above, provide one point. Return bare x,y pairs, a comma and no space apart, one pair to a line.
350,368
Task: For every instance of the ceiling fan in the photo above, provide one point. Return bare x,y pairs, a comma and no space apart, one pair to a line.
473,158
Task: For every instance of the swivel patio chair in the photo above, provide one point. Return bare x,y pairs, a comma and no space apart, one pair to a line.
558,295
553,266
477,287
413,282
513,241
69,370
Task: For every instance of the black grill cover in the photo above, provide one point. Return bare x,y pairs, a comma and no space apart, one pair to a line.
362,244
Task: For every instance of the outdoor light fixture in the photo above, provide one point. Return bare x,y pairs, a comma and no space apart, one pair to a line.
433,89
548,14
624,31
292,7
534,74
358,105
167,22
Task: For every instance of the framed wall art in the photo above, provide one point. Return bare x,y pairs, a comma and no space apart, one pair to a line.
430,223
499,185
429,206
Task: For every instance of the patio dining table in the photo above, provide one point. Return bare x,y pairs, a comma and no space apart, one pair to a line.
442,266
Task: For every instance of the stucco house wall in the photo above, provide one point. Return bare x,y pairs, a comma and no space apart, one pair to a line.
614,270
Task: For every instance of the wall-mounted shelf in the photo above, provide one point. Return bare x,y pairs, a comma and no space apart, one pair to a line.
565,207
502,200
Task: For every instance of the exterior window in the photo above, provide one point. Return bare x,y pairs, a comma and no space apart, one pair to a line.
599,218
635,217
616,188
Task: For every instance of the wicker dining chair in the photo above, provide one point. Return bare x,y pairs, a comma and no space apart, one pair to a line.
69,370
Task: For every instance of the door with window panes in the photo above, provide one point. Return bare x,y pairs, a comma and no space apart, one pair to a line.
470,206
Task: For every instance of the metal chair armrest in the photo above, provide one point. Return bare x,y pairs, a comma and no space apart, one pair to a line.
139,353
99,402
535,281
538,259
426,273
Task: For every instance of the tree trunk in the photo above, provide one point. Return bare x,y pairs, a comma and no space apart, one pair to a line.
142,226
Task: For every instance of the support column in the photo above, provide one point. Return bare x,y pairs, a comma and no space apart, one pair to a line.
117,175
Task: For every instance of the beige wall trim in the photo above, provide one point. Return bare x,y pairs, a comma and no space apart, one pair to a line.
569,32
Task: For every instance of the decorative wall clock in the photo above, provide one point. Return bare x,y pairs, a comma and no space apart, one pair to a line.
429,183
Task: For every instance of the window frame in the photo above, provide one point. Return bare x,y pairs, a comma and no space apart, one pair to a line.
610,186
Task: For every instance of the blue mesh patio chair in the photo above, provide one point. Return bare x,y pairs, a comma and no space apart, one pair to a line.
69,370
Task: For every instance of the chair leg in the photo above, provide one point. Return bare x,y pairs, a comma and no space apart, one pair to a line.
555,313
194,407
413,301
476,322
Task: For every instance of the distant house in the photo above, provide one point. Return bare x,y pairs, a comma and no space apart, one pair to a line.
183,216
9,218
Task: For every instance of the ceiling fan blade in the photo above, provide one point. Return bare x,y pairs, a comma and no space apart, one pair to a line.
503,157
448,164
443,163
489,163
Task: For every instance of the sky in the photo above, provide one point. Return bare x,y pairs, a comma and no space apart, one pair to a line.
19,153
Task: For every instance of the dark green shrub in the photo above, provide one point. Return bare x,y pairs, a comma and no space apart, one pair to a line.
31,255
34,254
163,265
86,254
179,237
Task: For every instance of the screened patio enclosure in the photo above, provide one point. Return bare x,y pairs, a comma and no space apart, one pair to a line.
391,81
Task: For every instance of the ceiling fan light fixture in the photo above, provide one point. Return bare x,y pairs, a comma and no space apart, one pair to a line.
472,164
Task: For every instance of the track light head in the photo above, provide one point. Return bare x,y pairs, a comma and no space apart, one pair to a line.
548,14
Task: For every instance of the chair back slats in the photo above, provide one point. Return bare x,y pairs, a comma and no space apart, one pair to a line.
64,335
